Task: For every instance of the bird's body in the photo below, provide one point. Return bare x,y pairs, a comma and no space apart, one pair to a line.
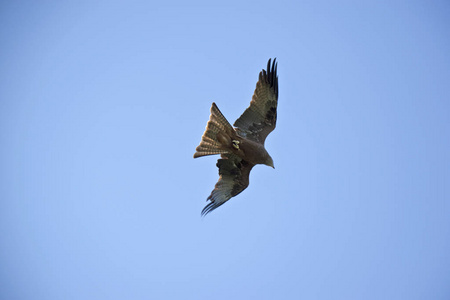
252,152
241,148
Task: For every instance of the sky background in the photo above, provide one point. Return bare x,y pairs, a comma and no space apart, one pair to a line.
102,104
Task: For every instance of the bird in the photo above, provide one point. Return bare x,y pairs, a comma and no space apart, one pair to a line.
241,147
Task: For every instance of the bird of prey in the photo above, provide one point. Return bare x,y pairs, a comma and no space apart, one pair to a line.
242,147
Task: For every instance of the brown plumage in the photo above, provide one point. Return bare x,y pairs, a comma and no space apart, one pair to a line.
242,147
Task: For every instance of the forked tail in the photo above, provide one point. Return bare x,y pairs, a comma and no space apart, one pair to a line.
217,136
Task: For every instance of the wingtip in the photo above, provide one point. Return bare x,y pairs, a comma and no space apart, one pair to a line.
211,206
271,64
272,67
208,208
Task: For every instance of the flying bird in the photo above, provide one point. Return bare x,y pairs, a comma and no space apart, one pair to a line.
242,147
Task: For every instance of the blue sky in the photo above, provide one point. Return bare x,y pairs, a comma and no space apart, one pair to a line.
103,103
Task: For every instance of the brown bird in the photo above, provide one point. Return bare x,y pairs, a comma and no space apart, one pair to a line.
242,147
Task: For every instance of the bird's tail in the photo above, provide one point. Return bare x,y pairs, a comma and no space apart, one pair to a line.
218,135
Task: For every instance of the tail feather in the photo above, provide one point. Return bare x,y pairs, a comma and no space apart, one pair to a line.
218,131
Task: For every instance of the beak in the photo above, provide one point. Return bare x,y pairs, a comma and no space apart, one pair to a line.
270,163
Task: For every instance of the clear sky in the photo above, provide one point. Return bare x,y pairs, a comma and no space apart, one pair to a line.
102,104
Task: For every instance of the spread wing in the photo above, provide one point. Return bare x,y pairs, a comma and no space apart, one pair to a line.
260,118
234,178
